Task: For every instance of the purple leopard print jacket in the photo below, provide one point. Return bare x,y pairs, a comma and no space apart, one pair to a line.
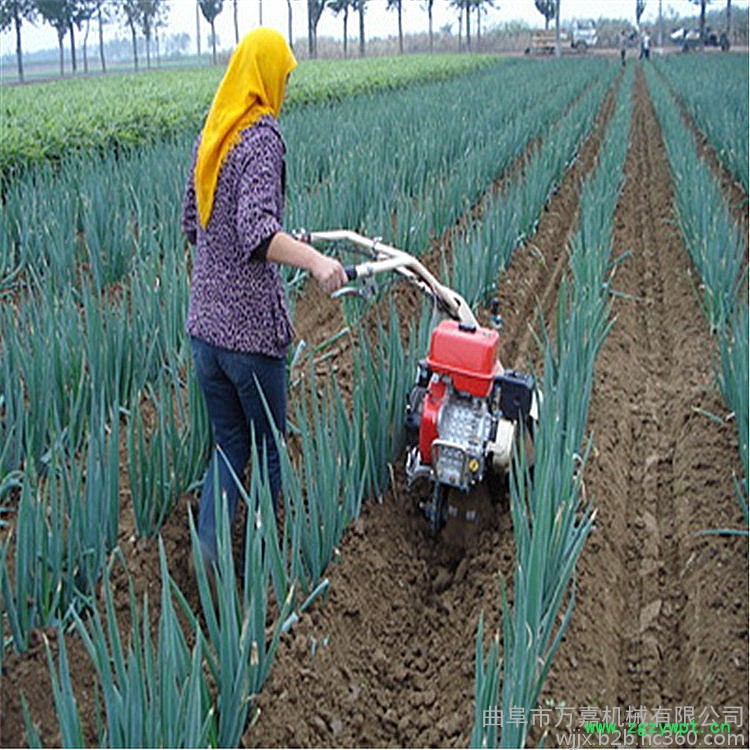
237,298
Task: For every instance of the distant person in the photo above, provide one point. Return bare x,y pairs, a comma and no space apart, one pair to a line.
238,320
645,46
623,46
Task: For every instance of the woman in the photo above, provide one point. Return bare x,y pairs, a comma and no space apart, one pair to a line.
238,318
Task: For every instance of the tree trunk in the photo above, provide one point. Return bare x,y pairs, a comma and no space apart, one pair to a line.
19,56
361,29
236,25
260,12
311,51
148,50
135,45
660,40
400,32
729,19
213,43
85,47
289,24
703,24
101,41
346,21
429,22
468,27
198,27
558,50
60,38
71,30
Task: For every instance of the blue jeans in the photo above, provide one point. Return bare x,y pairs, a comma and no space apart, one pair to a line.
228,381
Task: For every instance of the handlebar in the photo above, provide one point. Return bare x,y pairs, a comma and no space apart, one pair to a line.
386,258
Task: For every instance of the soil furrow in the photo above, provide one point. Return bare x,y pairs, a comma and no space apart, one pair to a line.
539,263
636,636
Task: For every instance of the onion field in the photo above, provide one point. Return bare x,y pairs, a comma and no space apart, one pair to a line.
604,208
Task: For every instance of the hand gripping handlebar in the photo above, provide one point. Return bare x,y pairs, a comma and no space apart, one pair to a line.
385,259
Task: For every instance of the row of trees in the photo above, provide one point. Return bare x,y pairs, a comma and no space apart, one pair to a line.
68,17
145,18
465,9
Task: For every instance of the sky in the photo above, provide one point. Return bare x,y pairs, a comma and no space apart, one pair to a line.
379,22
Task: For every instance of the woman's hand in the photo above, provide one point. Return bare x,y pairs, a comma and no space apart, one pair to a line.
328,272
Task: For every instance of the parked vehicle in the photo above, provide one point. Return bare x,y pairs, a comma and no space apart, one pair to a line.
691,38
583,34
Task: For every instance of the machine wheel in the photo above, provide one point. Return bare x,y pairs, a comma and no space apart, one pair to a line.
436,508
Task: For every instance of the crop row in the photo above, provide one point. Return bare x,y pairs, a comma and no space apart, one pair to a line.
550,521
718,250
714,91
47,121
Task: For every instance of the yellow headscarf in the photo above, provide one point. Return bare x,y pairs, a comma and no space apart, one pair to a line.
253,86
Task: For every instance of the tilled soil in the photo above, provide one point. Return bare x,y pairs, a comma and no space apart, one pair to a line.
398,660
661,616
398,665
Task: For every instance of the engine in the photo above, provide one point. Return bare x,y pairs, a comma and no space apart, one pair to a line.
464,410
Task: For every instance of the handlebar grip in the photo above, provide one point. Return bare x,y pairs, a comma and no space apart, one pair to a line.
351,272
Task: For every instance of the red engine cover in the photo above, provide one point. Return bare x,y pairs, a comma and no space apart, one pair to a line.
428,427
470,358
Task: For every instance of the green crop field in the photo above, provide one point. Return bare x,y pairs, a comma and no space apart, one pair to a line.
531,181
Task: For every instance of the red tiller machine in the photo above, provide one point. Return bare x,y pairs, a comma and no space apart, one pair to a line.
465,412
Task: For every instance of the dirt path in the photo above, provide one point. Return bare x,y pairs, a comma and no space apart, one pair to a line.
662,613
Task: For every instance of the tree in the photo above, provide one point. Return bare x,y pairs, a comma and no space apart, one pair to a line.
360,5
341,6
640,6
481,7
430,4
547,8
152,15
461,6
236,23
211,9
80,15
130,14
558,49
397,6
702,25
103,12
59,15
198,27
289,24
729,19
314,11
14,13
85,11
